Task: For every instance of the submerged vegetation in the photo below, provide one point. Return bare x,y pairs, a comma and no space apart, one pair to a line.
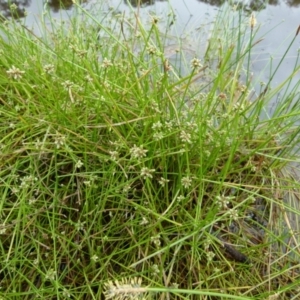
127,173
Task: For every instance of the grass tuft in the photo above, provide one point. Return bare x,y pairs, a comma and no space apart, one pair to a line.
127,173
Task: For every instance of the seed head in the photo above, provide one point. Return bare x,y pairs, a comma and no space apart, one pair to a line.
15,73
186,182
195,63
252,21
138,152
124,289
147,173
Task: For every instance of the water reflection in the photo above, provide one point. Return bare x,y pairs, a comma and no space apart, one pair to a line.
255,5
17,12
56,5
135,3
22,5
294,3
250,4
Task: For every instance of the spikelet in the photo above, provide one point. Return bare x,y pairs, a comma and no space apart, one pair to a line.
126,289
252,21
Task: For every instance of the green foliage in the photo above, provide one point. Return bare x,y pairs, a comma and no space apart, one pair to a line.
120,177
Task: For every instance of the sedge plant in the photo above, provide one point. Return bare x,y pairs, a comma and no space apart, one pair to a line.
122,179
